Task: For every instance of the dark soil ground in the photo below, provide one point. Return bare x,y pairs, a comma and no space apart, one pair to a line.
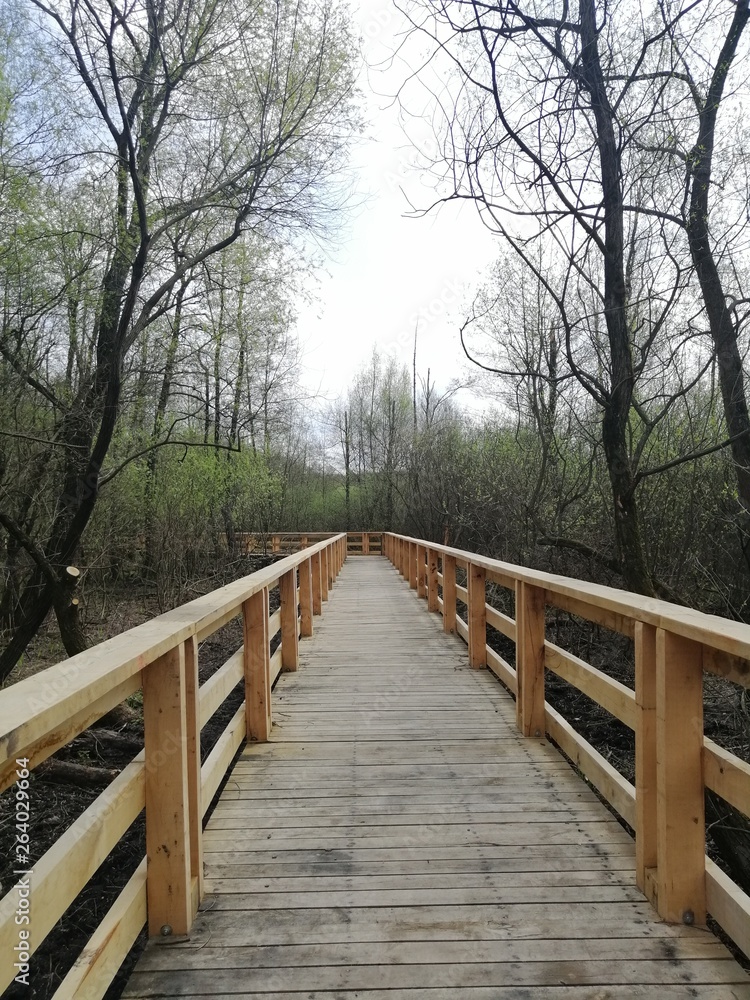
54,806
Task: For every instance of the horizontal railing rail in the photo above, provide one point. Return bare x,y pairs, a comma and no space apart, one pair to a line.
279,542
674,762
43,713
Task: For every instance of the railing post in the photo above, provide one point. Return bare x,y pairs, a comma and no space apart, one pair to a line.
449,594
289,633
645,759
432,581
168,848
530,659
324,573
365,543
331,559
303,542
680,815
477,616
275,544
317,583
306,598
257,657
413,564
195,810
421,580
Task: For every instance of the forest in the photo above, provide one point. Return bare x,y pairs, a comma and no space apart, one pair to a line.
170,175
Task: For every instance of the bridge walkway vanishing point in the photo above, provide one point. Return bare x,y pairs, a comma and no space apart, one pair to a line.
397,838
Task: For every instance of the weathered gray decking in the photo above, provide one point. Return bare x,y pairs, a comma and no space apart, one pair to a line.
397,839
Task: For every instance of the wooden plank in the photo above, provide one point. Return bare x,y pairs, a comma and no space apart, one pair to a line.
257,667
275,666
477,611
728,905
317,582
99,962
67,866
167,798
68,730
274,624
606,779
501,669
614,697
449,594
680,815
421,571
432,580
462,629
193,737
727,775
645,753
397,827
501,622
216,764
306,598
289,627
325,574
530,654
220,685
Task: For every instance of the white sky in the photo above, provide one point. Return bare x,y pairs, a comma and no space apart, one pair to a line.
390,269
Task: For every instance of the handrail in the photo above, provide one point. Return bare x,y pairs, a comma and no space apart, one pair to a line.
43,713
674,761
358,542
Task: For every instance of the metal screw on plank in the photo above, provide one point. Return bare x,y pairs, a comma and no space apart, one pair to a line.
166,930
688,917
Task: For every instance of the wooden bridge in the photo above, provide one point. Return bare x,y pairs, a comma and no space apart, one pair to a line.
397,825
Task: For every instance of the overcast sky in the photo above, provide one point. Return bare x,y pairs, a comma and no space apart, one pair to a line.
391,269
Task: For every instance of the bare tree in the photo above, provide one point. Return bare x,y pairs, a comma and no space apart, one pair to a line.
234,118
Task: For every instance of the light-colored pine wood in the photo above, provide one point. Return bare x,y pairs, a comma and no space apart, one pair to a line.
64,732
220,685
413,565
679,774
324,574
501,622
597,769
215,765
60,874
530,653
289,627
728,776
613,696
397,834
449,594
193,735
316,566
257,666
306,598
645,752
728,905
421,571
99,962
477,612
167,797
432,580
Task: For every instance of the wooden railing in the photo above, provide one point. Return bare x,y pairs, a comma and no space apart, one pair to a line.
45,712
674,761
367,543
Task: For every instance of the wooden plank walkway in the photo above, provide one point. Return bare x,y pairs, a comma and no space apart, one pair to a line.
397,840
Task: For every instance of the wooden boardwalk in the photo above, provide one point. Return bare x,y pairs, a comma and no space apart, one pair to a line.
397,839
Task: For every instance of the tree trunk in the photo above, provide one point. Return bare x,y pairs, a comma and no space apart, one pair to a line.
628,534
